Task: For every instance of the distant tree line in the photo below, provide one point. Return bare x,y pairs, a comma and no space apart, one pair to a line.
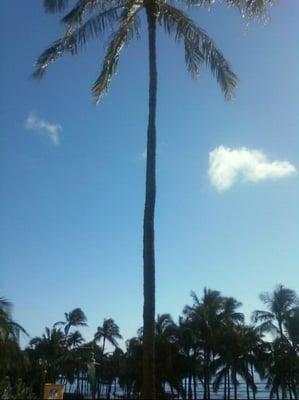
210,348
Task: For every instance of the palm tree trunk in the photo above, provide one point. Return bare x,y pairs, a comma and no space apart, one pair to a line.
228,385
82,383
247,390
235,386
148,384
194,387
225,383
290,391
205,367
190,384
295,390
253,380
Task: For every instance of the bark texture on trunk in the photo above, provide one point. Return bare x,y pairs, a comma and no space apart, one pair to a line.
148,384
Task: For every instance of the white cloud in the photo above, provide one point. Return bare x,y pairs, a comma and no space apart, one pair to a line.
41,126
228,166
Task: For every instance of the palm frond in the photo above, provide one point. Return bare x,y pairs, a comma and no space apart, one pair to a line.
59,323
83,7
261,316
54,6
5,305
17,329
196,3
267,326
51,54
238,317
253,9
249,9
96,26
195,298
128,27
75,39
199,47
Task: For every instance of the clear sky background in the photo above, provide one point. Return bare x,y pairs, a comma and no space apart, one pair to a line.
72,174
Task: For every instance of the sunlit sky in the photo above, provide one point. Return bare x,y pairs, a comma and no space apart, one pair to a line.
72,174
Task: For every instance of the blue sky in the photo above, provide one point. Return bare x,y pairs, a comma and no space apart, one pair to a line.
72,174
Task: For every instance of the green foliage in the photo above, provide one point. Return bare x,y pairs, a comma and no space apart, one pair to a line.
17,392
89,19
109,331
210,342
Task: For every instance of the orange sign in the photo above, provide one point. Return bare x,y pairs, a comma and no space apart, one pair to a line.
53,391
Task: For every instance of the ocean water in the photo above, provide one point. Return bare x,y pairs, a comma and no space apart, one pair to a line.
117,393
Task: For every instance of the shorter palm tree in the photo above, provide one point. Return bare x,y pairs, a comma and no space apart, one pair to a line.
74,318
8,327
45,353
280,304
108,332
74,340
282,370
12,358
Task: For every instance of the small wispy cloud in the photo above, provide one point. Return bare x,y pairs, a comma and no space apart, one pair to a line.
41,126
228,166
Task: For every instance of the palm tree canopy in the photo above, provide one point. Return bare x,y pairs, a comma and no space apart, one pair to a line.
165,326
280,303
8,327
230,315
74,318
89,19
75,339
109,331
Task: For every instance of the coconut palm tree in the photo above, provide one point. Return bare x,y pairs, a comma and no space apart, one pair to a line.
280,304
44,353
8,327
12,360
130,379
282,370
92,18
76,317
74,340
109,331
235,357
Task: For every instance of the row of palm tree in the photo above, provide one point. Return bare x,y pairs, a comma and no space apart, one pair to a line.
209,351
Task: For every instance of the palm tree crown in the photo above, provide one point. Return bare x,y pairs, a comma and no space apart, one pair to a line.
280,304
109,331
91,18
76,317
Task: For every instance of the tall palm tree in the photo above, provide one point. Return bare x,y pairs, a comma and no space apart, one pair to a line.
90,18
280,304
76,317
109,331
